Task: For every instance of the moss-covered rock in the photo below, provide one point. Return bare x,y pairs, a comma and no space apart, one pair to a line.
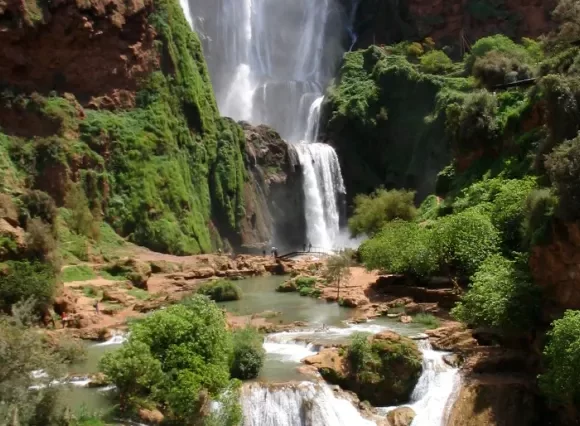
382,369
382,116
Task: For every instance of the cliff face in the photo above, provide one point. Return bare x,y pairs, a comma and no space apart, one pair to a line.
115,95
274,200
556,268
390,21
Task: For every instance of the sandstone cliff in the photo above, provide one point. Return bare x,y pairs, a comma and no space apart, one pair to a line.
388,21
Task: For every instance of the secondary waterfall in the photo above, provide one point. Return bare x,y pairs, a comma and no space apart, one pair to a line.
297,404
270,61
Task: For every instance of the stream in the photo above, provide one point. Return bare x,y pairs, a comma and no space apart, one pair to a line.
282,396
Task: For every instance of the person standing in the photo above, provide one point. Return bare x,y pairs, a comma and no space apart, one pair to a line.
97,306
309,247
304,247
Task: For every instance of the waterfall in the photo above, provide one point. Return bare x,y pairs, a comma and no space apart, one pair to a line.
436,390
297,404
270,62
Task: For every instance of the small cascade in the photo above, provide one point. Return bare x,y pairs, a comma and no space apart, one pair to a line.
298,404
436,389
118,338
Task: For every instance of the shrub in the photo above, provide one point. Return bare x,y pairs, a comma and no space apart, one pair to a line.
497,43
80,219
401,248
178,359
38,204
221,291
495,68
563,167
559,382
538,214
21,280
436,62
463,241
249,354
501,296
472,126
40,240
71,350
372,212
428,320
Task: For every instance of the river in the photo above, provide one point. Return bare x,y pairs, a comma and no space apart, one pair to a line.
279,395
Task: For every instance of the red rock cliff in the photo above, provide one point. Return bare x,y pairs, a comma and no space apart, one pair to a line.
388,21
96,49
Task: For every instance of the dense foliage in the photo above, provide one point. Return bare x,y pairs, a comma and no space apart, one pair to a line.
501,296
178,359
372,212
562,357
221,291
385,370
248,355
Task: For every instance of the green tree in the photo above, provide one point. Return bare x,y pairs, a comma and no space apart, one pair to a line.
221,291
463,241
436,62
188,350
501,296
249,354
338,269
401,248
559,381
21,280
372,212
497,43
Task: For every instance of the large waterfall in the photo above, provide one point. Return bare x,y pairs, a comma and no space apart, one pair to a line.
270,61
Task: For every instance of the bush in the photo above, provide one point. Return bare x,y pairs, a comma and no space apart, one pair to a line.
464,240
563,167
501,296
401,248
249,354
40,240
21,280
372,212
428,320
436,62
80,219
500,44
559,382
38,204
473,126
496,68
178,359
538,215
221,291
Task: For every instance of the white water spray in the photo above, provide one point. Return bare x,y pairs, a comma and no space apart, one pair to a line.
270,61
298,404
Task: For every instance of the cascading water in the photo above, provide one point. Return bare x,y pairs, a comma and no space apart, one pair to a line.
270,61
298,404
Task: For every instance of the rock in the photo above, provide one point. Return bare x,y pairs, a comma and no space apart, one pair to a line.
116,297
402,416
163,267
14,233
452,360
98,380
355,301
287,287
66,302
396,354
94,334
413,308
151,416
494,401
452,337
406,319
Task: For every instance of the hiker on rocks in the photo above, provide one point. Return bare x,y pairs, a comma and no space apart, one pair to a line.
65,320
275,250
97,307
304,247
309,247
264,252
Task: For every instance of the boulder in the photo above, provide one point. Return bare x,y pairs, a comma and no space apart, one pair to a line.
97,380
406,319
354,301
154,417
116,297
402,416
452,337
395,354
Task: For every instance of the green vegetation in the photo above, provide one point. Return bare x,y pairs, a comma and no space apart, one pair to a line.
177,360
372,212
436,62
502,296
22,280
562,357
248,355
78,273
428,320
221,291
384,370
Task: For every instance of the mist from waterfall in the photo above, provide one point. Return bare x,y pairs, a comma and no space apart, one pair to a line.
270,62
